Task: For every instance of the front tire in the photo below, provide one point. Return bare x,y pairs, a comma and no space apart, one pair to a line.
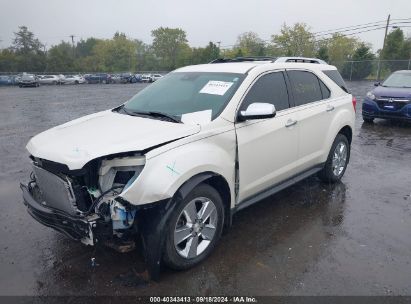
337,160
194,228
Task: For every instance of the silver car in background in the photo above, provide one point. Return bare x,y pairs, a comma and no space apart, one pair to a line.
49,79
74,79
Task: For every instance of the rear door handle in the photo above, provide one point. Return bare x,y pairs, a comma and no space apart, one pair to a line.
329,108
290,123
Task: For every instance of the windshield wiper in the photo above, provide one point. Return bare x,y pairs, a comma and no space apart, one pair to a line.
149,113
163,115
153,114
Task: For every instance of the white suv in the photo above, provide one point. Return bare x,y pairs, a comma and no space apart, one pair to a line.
176,161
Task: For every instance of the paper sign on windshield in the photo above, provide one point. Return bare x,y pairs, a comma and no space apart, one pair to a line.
215,87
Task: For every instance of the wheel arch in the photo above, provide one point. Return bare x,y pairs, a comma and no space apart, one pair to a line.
342,123
347,132
215,180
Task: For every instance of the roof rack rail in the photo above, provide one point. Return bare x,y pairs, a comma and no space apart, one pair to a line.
244,59
300,60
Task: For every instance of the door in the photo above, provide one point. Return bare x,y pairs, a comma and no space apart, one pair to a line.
314,110
267,148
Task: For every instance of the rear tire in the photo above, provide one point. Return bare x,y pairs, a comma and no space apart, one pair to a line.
368,119
194,228
337,160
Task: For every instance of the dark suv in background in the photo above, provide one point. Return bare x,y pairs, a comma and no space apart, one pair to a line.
390,100
29,80
98,78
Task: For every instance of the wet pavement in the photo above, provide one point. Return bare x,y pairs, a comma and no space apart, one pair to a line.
352,238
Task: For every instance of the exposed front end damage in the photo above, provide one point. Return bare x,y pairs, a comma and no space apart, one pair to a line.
85,204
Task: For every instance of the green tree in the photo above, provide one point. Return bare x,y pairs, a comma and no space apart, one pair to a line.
60,58
206,54
250,44
8,61
84,48
361,66
116,55
340,49
296,40
167,45
322,53
397,47
30,55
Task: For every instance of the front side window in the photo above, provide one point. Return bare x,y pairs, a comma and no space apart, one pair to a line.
306,87
269,88
181,93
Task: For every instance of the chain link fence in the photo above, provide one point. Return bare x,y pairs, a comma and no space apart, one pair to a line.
371,69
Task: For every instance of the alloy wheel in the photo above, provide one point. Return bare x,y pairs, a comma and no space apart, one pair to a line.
195,227
339,160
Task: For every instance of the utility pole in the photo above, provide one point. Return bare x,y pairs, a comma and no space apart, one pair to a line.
383,47
72,42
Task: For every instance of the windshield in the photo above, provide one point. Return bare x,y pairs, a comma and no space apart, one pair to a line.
181,93
398,80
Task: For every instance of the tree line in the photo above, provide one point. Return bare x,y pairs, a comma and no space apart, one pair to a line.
170,50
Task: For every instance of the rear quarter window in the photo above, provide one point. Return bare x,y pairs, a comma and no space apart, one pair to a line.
335,76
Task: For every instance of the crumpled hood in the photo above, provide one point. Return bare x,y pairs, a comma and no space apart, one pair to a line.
77,142
381,91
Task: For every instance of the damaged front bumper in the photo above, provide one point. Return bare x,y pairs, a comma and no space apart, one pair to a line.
84,229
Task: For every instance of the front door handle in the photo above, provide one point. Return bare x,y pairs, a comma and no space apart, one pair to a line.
329,108
290,123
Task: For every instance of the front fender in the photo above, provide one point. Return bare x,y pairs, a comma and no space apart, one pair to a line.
165,173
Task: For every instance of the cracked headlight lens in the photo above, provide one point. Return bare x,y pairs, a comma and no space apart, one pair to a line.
121,172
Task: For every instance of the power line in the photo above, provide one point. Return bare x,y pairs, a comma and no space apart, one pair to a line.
376,23
359,28
346,27
351,34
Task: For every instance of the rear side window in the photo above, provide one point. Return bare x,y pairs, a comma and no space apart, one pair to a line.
324,90
335,76
270,88
306,87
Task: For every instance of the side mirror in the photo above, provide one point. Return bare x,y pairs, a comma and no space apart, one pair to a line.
376,84
257,110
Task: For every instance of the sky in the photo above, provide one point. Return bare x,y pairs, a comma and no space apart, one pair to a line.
203,20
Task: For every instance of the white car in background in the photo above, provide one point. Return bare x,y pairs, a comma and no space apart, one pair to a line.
146,78
74,79
176,161
49,79
155,77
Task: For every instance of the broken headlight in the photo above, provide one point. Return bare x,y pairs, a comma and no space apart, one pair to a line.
120,172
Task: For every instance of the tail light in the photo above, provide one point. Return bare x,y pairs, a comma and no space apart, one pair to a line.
354,103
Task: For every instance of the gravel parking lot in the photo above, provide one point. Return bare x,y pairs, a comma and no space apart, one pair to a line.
352,238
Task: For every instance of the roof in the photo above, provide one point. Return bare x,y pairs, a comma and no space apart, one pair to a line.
244,67
230,67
